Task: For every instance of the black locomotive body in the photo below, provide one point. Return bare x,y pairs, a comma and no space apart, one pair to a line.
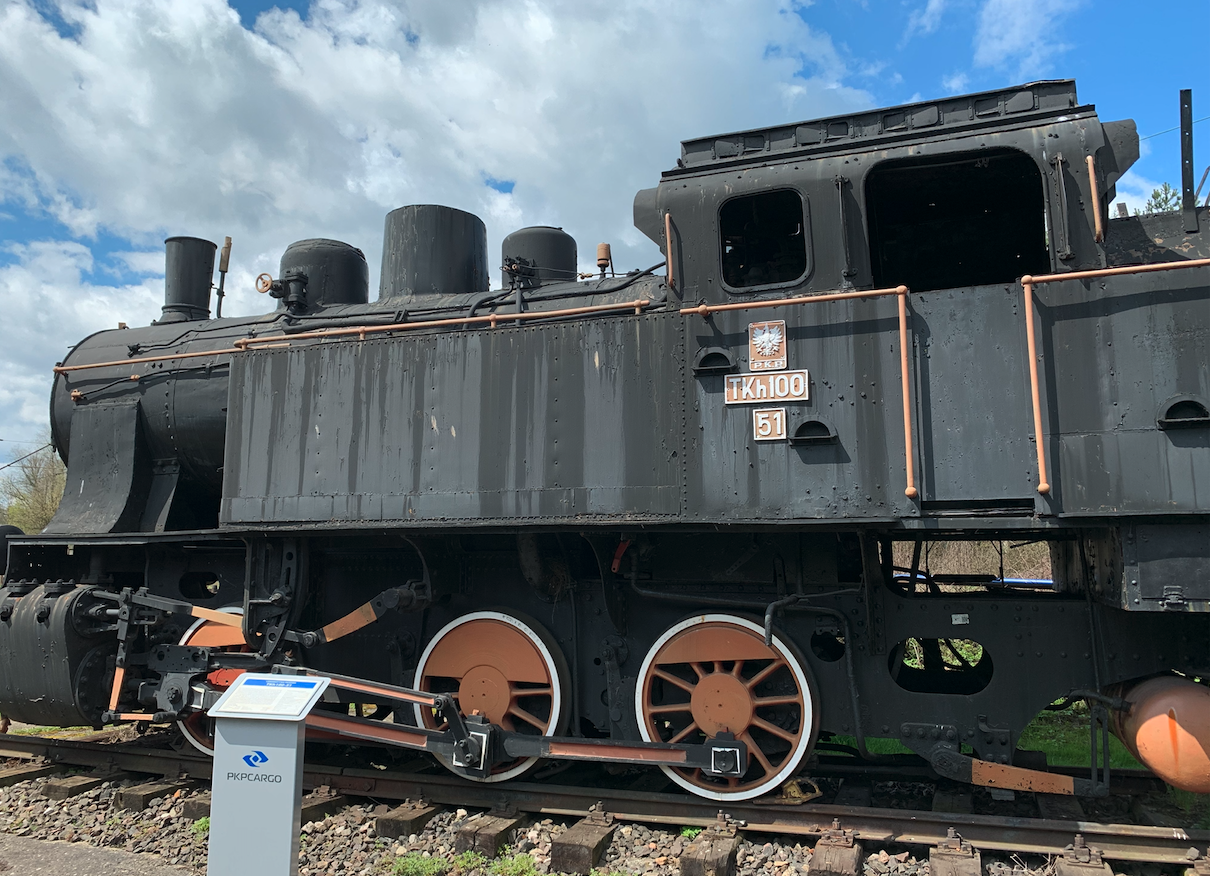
654,518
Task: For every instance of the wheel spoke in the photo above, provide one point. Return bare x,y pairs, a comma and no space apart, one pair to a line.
684,733
527,717
754,750
672,679
764,673
774,729
670,707
530,691
727,676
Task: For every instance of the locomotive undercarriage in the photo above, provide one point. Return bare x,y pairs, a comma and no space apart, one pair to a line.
680,649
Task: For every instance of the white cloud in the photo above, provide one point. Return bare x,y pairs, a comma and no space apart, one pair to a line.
955,83
169,117
1134,191
48,306
924,20
142,262
1020,35
172,118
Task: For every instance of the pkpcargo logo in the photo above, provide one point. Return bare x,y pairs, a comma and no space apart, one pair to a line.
256,758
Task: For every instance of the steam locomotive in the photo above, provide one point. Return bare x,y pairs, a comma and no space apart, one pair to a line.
674,517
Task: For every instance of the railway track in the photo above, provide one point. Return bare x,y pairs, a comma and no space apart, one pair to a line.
561,798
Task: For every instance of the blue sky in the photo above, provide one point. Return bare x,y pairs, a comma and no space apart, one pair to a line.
125,121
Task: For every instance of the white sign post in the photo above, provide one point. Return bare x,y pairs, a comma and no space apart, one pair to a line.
258,770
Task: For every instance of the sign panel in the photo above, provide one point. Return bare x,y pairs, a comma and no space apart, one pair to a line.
767,345
747,389
284,697
769,424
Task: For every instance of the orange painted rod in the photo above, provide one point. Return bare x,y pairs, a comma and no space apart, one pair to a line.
909,459
1114,272
1096,199
1027,284
492,319
901,293
668,248
64,369
217,617
115,692
273,342
1031,343
707,309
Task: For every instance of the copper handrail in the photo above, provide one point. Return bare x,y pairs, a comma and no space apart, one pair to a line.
901,292
1027,284
492,319
272,342
1096,199
668,247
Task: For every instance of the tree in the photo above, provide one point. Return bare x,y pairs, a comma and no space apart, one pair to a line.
31,488
1165,199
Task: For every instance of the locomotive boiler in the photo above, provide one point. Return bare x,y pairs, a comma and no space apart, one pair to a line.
674,517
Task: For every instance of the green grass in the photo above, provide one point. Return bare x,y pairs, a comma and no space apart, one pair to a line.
470,862
513,865
201,827
415,864
1064,737
1197,805
690,832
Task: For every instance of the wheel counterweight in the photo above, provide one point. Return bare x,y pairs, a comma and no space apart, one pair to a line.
503,667
712,674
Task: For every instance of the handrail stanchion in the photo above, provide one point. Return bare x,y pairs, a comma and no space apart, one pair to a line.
1027,283
910,491
704,310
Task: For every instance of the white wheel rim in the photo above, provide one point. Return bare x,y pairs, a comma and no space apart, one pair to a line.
193,740
548,660
808,717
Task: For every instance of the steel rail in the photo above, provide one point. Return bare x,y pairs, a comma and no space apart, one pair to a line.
1118,842
901,292
1028,282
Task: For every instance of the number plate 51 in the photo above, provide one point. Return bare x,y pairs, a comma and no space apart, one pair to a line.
769,424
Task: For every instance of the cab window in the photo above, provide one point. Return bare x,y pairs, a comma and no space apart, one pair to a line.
966,219
763,239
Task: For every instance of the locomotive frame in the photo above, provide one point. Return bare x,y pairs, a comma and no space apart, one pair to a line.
559,501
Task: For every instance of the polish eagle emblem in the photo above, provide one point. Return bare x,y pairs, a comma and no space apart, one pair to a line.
767,340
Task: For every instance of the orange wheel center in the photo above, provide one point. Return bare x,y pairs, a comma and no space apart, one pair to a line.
485,689
721,702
